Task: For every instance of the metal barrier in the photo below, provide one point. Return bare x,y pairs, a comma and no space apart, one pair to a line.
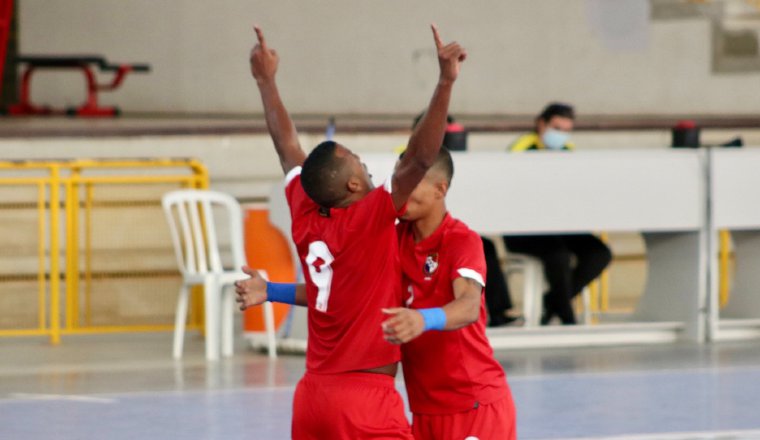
67,227
724,257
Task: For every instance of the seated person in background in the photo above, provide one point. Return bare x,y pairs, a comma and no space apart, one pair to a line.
553,127
570,261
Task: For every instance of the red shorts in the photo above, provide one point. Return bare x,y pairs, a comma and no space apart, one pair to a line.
486,422
348,406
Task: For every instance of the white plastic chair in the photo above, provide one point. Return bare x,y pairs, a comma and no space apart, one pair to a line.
533,286
197,246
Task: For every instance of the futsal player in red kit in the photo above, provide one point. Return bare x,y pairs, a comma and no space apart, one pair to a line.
456,388
344,232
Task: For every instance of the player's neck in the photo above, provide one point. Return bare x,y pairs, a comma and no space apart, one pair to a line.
424,227
351,198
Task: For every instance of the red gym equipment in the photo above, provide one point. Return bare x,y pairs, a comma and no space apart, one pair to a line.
6,15
86,64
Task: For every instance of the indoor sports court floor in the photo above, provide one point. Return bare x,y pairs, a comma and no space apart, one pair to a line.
127,387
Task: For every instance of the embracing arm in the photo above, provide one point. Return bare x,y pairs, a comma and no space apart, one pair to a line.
465,309
427,137
264,63
404,324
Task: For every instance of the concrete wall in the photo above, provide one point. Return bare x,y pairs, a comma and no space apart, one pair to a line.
367,56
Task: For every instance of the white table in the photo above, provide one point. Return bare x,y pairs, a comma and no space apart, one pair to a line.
735,205
659,193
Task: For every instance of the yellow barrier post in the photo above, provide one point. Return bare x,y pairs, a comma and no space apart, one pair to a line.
724,250
604,296
72,251
66,181
88,254
41,268
196,307
55,304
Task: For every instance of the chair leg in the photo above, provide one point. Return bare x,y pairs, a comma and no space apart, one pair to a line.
269,324
586,297
529,297
538,290
228,319
212,298
180,320
533,297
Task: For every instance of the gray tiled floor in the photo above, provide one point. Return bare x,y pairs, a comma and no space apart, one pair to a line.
127,387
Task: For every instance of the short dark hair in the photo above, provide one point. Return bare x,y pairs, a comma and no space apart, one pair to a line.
320,175
557,109
443,162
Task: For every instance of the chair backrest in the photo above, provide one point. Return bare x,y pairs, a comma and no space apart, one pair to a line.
196,238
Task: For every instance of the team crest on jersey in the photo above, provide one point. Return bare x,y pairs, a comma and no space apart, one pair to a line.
431,264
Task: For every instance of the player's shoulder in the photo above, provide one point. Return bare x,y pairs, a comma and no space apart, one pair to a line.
293,176
458,231
525,142
297,198
294,188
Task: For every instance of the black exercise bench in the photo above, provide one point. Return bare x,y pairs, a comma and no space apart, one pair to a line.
87,64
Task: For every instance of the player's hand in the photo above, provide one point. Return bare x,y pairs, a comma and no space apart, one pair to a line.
251,292
263,60
402,325
450,57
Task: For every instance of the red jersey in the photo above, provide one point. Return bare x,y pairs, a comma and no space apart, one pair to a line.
351,265
447,371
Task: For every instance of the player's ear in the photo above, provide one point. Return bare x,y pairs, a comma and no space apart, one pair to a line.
354,184
442,187
540,125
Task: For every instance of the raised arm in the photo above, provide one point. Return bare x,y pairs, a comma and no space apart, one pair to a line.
427,137
264,63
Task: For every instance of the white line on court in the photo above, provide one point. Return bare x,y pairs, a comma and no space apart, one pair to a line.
66,397
632,373
752,434
113,397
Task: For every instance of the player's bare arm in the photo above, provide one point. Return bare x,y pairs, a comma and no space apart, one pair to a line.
253,291
264,62
427,137
404,324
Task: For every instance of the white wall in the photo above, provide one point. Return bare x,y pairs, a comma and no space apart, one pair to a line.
370,56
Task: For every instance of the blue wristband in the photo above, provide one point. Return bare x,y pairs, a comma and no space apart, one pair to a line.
435,318
281,292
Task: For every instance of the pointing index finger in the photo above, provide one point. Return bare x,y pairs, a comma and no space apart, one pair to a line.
260,36
436,36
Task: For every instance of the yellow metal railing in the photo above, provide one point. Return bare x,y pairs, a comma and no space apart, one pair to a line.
724,255
59,187
599,288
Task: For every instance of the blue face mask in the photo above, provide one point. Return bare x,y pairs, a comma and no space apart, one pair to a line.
555,139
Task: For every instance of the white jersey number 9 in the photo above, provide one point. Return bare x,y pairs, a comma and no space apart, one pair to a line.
319,261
